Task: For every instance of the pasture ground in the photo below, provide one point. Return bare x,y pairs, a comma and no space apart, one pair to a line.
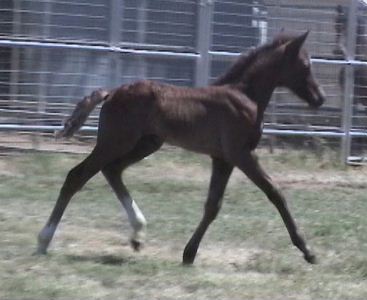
246,253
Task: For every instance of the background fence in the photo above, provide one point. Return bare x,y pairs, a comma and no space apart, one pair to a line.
54,52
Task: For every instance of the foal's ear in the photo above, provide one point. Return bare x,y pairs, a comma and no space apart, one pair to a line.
292,48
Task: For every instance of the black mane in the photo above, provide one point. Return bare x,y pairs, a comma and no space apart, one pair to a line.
245,60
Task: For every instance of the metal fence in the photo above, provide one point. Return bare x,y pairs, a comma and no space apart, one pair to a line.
53,52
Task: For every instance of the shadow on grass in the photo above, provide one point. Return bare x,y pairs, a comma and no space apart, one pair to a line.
112,265
110,260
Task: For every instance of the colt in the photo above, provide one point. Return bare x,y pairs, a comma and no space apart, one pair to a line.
224,121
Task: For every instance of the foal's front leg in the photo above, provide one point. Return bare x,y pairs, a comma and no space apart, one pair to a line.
221,171
249,165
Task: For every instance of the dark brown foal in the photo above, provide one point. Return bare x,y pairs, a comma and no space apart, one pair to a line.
223,121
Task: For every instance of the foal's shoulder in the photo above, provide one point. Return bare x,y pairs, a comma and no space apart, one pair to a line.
242,104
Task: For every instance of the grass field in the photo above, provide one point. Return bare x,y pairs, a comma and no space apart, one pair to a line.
246,254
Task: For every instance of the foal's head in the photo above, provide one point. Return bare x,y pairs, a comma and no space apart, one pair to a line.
295,69
282,62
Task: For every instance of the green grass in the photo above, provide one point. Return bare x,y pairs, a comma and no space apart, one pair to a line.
246,253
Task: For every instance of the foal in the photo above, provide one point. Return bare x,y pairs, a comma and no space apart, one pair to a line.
224,121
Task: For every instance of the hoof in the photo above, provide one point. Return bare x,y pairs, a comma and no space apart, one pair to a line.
311,258
42,246
189,254
188,260
136,245
39,252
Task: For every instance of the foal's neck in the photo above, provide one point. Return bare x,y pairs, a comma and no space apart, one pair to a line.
258,85
259,90
255,75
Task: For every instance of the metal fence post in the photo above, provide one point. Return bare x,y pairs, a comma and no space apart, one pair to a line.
204,38
349,82
141,36
15,53
44,65
116,15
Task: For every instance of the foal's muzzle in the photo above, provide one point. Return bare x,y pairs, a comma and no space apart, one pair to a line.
318,102
318,97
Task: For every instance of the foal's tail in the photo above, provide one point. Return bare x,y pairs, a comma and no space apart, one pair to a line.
81,113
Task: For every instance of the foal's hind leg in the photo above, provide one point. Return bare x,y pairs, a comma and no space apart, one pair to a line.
74,181
221,171
250,166
112,172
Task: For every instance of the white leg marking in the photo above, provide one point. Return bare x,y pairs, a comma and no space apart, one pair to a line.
136,218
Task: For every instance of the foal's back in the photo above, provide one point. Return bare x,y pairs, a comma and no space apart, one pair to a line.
198,119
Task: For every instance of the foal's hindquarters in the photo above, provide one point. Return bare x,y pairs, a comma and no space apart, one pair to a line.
120,143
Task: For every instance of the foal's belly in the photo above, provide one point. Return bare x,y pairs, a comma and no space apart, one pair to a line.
217,141
213,133
197,143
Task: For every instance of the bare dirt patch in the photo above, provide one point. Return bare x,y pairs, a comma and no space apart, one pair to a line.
7,168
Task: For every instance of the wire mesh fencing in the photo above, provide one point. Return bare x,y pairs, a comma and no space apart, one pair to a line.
54,52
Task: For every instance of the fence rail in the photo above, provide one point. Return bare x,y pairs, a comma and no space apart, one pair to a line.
53,52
